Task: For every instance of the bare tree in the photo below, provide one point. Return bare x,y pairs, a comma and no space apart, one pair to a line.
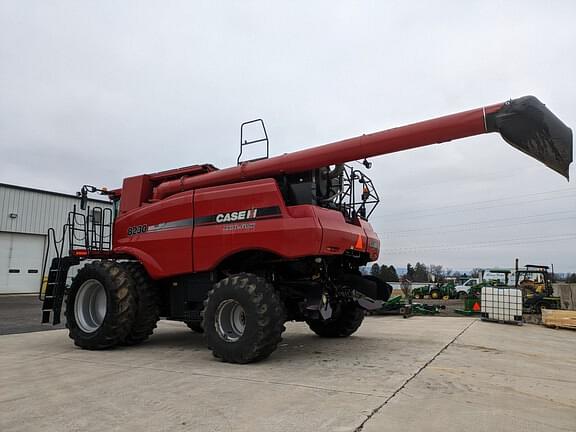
437,272
475,272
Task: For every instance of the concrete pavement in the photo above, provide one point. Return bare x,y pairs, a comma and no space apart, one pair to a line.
432,373
22,314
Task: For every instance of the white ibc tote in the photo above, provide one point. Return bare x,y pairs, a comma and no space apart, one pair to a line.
501,304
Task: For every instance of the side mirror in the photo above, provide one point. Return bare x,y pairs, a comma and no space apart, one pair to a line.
83,198
83,194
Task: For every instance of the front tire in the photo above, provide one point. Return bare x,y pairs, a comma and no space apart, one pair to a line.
243,319
101,305
347,321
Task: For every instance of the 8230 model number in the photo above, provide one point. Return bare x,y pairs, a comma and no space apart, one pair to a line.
137,229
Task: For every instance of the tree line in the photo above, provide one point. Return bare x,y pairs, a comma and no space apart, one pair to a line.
384,272
418,272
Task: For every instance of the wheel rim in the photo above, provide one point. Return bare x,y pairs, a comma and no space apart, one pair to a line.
90,306
230,320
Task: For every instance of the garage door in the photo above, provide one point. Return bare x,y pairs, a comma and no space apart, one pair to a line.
20,262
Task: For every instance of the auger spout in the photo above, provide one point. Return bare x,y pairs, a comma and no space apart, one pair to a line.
525,123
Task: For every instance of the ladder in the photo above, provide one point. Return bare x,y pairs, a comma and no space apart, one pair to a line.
55,289
90,233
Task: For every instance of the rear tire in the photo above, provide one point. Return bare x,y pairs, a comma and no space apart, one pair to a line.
435,294
243,319
347,321
101,305
147,308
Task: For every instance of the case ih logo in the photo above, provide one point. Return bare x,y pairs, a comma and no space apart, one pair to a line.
237,216
252,214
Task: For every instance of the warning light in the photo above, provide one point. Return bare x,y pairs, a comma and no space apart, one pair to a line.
365,193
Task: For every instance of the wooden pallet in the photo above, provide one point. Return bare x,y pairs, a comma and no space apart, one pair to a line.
559,318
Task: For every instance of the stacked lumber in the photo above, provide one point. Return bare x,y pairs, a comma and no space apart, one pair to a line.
559,318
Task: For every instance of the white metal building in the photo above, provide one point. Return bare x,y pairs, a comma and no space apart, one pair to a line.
25,216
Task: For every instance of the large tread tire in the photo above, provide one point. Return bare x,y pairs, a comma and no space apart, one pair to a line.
264,318
120,305
347,321
147,304
435,294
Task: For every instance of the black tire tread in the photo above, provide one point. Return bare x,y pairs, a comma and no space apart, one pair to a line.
119,319
270,319
345,324
147,304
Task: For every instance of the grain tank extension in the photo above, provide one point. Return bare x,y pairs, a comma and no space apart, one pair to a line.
235,253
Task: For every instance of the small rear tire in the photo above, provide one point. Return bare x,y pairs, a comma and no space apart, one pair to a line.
243,319
101,305
346,321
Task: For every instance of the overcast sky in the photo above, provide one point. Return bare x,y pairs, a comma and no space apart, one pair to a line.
91,92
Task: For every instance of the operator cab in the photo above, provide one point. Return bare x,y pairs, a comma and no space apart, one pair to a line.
337,187
340,187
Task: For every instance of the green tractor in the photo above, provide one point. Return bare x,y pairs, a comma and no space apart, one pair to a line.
435,291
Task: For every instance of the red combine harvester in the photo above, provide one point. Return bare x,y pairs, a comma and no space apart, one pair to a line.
237,252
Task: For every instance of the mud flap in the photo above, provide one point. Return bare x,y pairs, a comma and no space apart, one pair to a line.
527,125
